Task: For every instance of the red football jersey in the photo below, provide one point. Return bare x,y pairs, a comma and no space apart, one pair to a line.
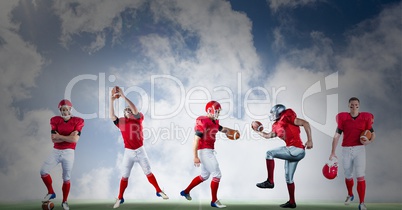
287,130
64,128
208,128
353,127
131,131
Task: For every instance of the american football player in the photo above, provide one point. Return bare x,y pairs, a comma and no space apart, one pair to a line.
206,128
287,128
65,133
134,152
353,151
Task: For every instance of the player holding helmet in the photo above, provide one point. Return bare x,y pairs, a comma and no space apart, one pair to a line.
65,133
131,129
286,127
353,151
206,128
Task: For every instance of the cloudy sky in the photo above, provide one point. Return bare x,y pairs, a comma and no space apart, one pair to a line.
173,56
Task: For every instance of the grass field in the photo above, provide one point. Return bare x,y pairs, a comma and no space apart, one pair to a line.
193,205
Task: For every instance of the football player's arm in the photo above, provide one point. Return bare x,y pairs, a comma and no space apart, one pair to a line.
54,138
112,116
131,105
335,141
72,138
372,136
196,142
307,128
267,135
224,129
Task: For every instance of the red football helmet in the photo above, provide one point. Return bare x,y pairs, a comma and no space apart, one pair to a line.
65,102
65,114
330,170
213,108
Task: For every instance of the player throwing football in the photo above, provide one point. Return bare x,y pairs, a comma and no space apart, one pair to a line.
206,128
131,130
353,151
287,128
65,133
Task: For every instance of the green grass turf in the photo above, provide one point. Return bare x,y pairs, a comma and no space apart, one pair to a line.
193,205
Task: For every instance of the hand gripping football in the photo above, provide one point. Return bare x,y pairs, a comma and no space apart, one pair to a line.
232,134
116,92
257,126
365,136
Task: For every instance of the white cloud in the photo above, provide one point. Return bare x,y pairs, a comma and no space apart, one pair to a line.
275,5
89,187
24,133
91,16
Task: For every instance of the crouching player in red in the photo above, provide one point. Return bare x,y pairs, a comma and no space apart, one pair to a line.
353,150
206,128
287,128
131,130
65,132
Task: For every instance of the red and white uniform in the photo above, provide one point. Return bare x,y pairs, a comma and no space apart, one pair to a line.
63,152
293,152
353,151
132,132
207,128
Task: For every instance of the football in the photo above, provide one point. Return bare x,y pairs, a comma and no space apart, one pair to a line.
257,126
365,136
116,92
47,205
233,134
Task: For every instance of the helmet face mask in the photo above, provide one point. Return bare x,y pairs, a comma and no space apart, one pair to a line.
65,109
276,111
213,108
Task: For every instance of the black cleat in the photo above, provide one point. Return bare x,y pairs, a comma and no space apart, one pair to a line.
265,184
288,205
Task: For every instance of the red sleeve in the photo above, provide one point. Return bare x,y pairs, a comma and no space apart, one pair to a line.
371,122
339,120
79,125
53,123
199,125
369,118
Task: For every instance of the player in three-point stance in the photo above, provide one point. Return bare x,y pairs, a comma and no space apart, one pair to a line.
206,128
287,128
353,151
65,133
131,129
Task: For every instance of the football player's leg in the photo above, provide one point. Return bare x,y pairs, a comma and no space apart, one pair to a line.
47,166
360,166
270,164
143,160
198,179
127,165
347,160
67,166
290,168
211,164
